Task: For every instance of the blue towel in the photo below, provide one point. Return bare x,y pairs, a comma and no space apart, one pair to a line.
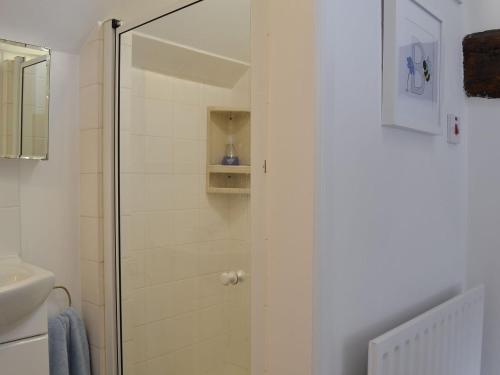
68,345
58,345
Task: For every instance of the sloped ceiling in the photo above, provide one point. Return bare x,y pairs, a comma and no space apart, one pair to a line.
65,24
59,24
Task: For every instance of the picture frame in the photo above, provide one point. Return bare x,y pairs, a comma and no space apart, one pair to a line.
412,72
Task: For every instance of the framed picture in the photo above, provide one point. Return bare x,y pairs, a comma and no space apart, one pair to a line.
412,74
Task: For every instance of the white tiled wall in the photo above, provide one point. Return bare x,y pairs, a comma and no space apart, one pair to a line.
10,221
176,239
91,197
10,236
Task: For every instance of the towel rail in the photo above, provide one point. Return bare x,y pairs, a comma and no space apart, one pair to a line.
66,290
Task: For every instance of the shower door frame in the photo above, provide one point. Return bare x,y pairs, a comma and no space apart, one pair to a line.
111,182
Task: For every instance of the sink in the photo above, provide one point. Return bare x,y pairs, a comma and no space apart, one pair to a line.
23,288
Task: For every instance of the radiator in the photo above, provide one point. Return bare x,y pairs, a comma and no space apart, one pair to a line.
443,341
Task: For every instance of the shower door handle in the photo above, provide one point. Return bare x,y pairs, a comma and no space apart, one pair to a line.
232,277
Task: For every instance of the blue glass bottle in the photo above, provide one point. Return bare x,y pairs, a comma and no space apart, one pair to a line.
230,156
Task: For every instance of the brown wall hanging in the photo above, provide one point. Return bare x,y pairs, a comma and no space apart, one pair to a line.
482,64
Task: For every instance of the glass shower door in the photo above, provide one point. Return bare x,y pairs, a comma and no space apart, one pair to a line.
184,203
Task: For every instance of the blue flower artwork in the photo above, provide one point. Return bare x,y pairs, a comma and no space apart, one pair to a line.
418,70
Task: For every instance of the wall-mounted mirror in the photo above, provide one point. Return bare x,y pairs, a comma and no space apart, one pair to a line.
24,100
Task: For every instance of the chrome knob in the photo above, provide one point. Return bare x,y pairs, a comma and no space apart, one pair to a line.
232,277
229,278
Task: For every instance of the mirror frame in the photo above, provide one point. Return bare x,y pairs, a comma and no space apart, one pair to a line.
48,58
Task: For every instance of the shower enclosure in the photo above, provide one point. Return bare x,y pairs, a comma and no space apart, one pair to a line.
183,184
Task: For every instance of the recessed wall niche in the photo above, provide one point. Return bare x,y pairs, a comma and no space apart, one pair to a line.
228,133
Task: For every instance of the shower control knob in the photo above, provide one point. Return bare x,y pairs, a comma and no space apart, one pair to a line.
229,278
232,277
241,276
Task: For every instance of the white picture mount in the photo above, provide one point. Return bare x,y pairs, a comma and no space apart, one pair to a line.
412,67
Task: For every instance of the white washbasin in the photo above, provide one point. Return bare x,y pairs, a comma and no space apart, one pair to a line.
23,288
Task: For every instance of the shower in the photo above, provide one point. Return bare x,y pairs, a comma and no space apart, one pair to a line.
183,200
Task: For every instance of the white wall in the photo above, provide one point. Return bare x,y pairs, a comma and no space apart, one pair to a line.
484,203
39,199
482,15
484,216
10,239
391,203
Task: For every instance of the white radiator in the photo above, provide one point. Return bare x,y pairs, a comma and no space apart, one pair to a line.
443,341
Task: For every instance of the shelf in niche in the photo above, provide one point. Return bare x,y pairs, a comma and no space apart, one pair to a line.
214,190
222,122
229,169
